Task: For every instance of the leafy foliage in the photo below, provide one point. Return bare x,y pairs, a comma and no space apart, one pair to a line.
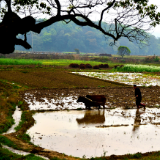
67,37
123,50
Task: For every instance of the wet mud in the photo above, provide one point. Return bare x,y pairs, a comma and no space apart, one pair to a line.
59,99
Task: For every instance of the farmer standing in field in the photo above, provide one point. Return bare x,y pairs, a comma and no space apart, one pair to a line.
138,97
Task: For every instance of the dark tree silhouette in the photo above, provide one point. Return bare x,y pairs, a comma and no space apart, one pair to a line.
126,18
123,50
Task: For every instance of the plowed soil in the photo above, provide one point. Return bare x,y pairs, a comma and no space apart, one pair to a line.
51,78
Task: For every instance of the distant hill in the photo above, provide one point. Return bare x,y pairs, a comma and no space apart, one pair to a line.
61,37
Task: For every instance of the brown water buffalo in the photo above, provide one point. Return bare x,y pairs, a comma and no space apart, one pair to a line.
92,100
98,98
92,117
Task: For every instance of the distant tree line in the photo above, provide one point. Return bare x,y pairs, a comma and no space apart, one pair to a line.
60,37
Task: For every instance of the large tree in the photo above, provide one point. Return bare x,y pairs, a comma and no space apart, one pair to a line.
123,50
126,18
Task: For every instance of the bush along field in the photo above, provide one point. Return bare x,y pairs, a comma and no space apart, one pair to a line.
137,68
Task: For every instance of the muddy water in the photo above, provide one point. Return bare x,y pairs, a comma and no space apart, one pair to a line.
126,78
95,133
60,103
17,117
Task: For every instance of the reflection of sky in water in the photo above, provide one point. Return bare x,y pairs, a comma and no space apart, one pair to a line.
127,78
61,131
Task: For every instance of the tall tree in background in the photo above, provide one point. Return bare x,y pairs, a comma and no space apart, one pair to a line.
123,50
127,18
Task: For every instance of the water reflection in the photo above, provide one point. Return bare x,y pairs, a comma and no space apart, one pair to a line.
137,120
94,117
75,132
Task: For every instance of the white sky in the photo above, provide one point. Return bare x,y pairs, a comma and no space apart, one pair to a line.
156,30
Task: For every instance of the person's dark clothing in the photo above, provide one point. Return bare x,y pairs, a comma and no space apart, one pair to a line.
138,92
138,101
139,98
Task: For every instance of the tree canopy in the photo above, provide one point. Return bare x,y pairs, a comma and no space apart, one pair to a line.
123,50
126,18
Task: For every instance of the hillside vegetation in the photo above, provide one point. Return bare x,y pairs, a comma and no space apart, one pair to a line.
61,37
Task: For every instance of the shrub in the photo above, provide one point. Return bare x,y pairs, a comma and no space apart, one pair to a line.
82,66
88,66
105,66
74,65
96,67
121,66
156,59
116,66
101,66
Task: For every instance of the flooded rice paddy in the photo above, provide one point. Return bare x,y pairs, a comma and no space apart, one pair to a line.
126,78
97,132
91,133
63,99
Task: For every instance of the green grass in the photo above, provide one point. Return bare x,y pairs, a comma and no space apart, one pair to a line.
23,120
5,154
9,122
7,142
67,62
138,68
9,61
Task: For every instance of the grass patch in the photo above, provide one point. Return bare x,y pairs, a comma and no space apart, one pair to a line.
9,61
8,142
25,123
137,68
9,121
5,154
67,62
24,118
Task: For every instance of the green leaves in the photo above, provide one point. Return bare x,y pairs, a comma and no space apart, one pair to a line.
123,50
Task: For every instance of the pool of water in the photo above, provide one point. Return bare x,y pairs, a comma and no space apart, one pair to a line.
97,132
139,79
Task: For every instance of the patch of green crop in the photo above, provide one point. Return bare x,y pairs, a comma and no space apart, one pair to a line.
67,62
9,61
138,68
